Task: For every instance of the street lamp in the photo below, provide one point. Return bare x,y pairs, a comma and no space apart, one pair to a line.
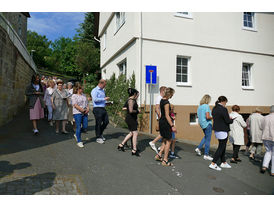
31,53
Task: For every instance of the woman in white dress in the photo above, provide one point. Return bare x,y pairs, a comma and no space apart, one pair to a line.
47,99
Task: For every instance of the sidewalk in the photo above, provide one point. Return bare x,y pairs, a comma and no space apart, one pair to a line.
53,164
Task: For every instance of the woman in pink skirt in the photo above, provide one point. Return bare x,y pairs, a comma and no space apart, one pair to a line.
35,93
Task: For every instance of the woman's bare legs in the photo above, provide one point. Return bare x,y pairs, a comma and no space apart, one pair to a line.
34,123
57,122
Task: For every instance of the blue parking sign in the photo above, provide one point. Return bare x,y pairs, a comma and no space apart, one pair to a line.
151,74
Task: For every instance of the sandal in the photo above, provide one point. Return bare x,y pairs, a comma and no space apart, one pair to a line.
166,163
158,158
121,148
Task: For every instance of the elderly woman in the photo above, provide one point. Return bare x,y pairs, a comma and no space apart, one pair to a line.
34,93
255,120
60,103
47,99
268,138
236,133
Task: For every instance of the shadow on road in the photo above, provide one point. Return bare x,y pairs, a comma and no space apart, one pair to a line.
17,135
28,185
6,168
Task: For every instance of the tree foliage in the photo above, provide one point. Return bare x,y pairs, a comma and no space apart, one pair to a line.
41,46
79,57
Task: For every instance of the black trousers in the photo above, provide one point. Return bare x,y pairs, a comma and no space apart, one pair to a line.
220,152
101,118
236,149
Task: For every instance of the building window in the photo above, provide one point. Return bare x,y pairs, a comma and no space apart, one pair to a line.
105,40
249,20
246,76
187,15
123,67
193,118
120,20
182,71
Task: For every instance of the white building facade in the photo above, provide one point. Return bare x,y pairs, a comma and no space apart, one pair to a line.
230,54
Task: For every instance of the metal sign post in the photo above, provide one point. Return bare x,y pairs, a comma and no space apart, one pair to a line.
151,78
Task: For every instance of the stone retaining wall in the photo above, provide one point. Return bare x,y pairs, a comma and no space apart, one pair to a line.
15,75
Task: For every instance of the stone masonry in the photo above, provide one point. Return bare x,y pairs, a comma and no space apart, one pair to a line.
15,75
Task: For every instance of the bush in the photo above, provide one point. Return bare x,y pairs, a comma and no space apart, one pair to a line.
116,89
91,83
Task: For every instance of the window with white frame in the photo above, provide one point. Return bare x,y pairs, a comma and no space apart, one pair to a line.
123,67
105,40
184,14
120,20
246,75
249,20
182,70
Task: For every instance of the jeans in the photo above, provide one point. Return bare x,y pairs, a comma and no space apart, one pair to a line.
220,152
101,117
80,119
206,140
236,149
49,112
269,154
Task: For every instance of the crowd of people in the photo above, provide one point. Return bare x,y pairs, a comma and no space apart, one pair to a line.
67,103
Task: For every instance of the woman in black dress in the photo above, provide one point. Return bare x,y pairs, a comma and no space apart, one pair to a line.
166,127
131,107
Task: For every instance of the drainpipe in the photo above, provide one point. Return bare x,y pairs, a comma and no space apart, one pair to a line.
141,60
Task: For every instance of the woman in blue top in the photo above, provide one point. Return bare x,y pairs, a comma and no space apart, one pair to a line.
204,117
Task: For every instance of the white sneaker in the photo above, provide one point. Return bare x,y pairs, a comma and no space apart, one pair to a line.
35,131
225,165
50,123
207,157
100,140
215,167
75,137
152,145
104,139
198,151
80,144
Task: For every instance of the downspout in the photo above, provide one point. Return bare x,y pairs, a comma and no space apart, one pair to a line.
141,60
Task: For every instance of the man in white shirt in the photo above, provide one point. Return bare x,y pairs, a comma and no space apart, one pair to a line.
158,116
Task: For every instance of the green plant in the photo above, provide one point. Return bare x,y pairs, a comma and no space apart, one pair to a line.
116,89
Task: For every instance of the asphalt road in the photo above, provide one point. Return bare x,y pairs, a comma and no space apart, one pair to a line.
53,164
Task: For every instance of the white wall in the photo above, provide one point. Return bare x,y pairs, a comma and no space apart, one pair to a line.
215,72
212,29
116,40
131,55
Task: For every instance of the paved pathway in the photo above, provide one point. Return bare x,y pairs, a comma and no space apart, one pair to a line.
53,164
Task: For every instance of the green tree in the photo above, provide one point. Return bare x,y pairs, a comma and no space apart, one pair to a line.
87,56
41,45
87,29
63,56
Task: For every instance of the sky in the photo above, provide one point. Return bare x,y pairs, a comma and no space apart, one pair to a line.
55,24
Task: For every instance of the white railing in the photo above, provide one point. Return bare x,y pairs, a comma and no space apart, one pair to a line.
16,40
